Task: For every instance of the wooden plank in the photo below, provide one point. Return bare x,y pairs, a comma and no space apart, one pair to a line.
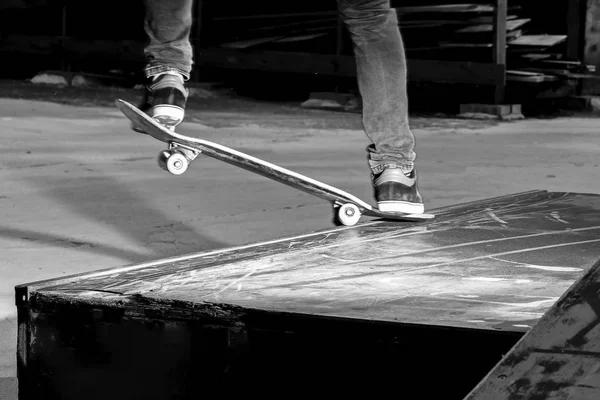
420,24
446,8
559,357
244,44
300,38
485,19
510,26
522,50
276,16
514,34
449,45
538,40
562,72
528,76
536,56
481,40
126,50
497,264
326,64
566,64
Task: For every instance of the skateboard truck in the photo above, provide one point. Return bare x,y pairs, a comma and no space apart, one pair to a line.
177,159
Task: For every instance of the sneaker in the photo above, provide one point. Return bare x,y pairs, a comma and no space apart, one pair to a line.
397,192
165,99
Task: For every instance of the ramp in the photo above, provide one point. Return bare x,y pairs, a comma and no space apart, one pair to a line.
377,307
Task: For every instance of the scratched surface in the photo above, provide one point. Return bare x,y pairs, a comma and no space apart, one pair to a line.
493,264
558,359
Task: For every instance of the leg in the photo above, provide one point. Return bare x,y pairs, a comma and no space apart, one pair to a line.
169,59
381,74
168,24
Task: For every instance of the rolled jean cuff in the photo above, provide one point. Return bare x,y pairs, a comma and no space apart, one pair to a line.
152,70
377,167
400,158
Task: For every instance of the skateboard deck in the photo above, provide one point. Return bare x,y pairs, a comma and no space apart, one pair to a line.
184,149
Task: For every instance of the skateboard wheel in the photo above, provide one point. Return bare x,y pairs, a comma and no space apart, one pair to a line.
177,164
162,159
348,214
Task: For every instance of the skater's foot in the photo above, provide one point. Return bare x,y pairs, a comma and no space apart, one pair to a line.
396,191
165,99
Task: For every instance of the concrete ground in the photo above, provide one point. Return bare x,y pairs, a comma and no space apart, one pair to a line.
80,191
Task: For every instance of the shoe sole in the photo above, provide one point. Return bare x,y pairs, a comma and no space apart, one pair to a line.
169,116
139,129
401,207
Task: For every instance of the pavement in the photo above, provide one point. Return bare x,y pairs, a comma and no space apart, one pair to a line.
80,191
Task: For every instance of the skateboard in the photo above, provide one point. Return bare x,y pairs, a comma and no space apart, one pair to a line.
182,150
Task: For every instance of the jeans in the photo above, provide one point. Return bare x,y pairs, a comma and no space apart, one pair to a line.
380,65
168,24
